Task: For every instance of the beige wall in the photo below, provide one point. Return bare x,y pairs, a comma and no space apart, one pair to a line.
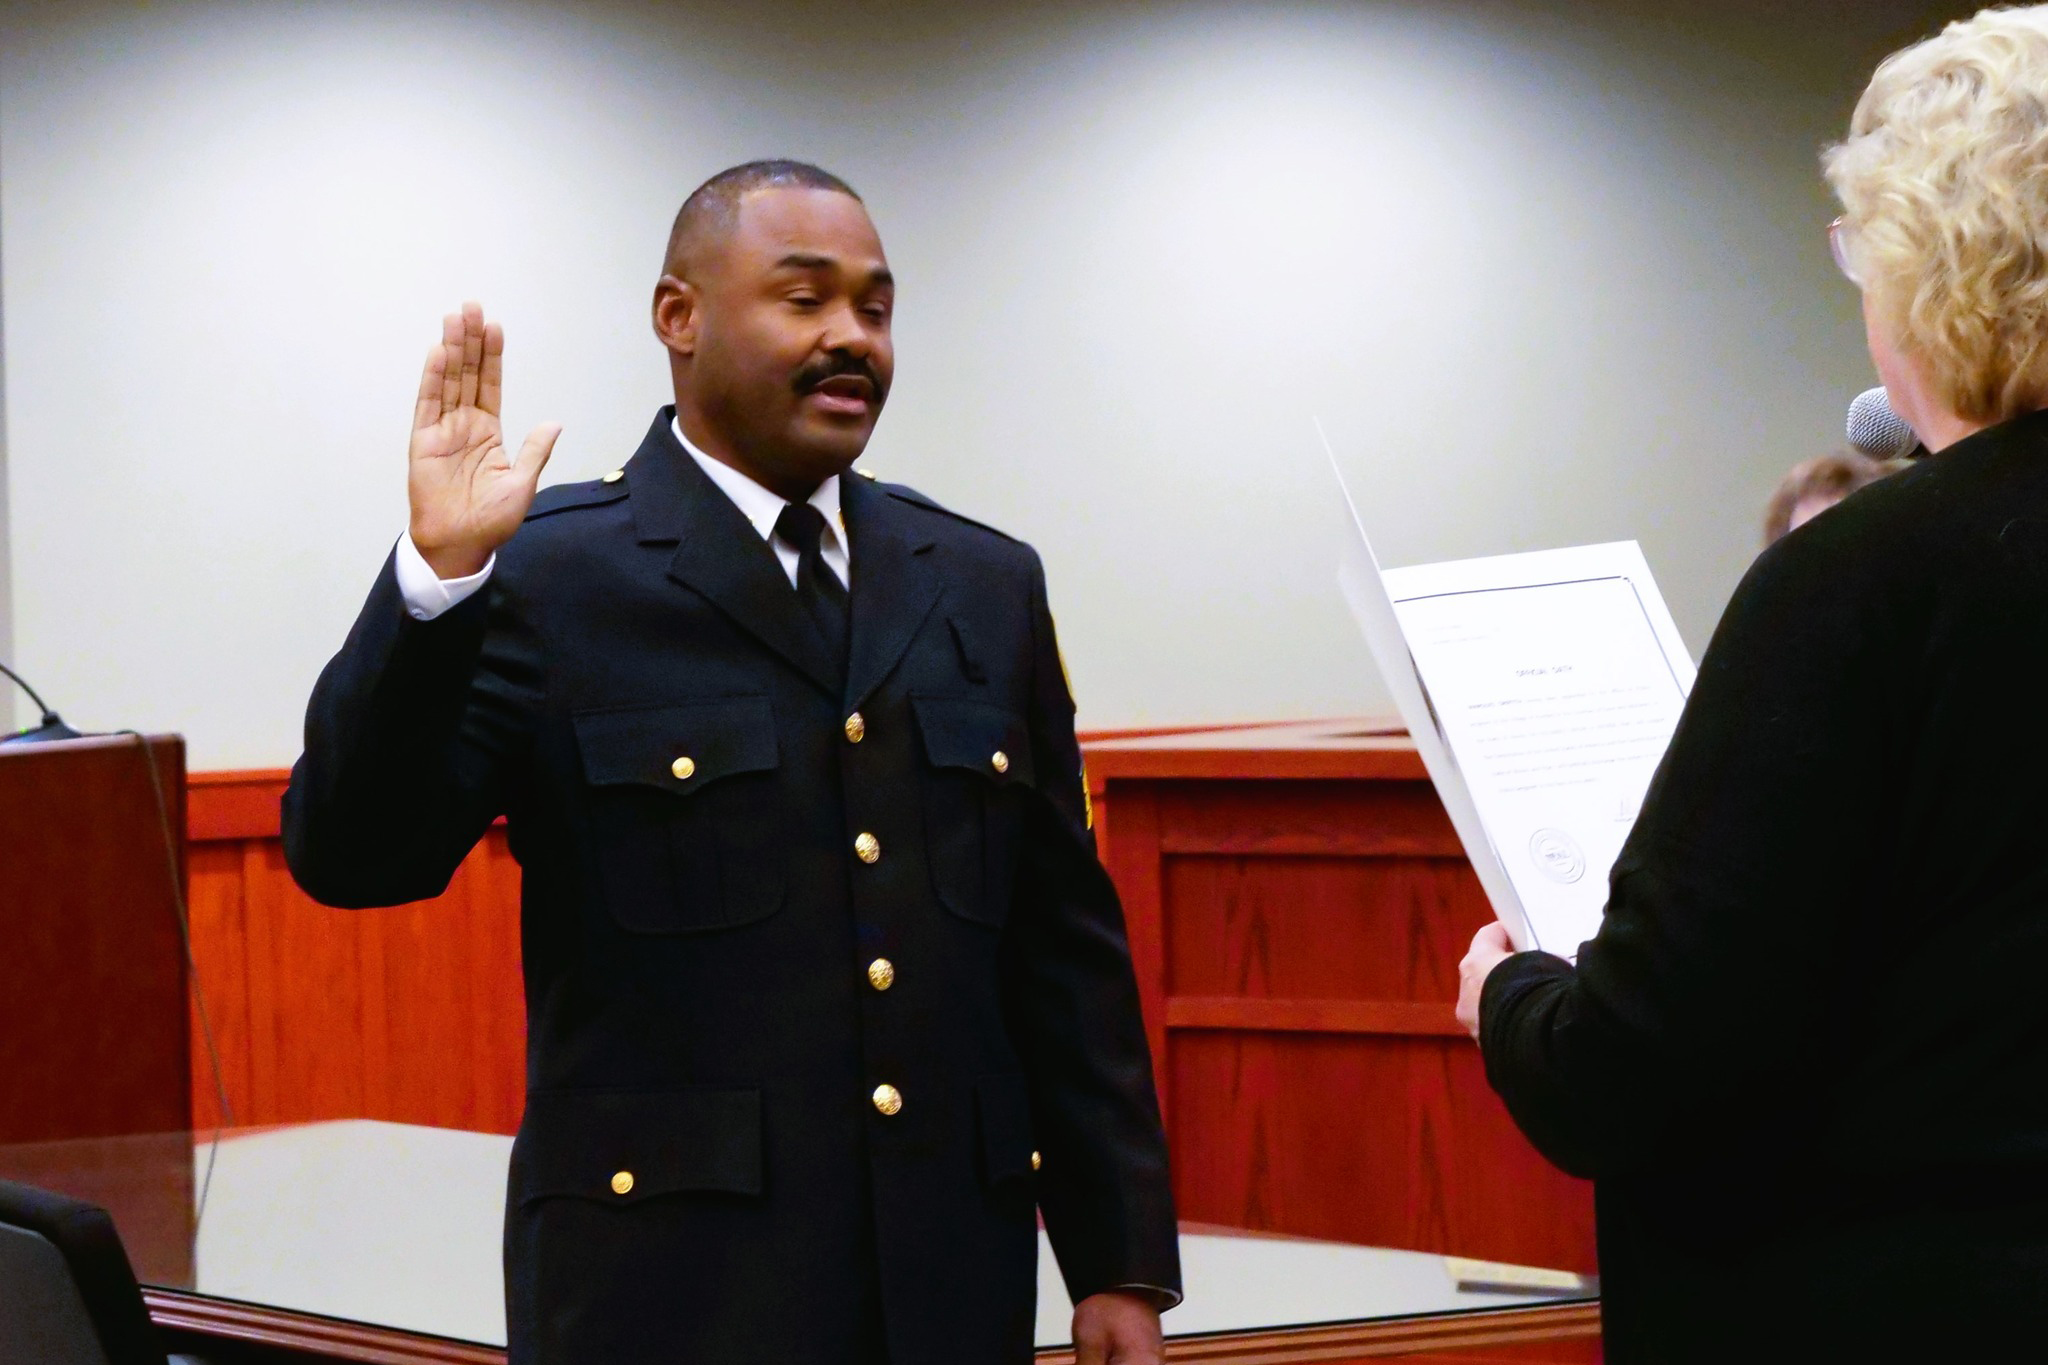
1549,273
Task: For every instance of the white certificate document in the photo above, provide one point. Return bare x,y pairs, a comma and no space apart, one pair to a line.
1542,690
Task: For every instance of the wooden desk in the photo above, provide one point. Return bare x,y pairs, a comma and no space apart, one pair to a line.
367,1241
1298,904
93,1042
92,969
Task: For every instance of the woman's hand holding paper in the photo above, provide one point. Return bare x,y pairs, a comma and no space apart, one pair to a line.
1490,947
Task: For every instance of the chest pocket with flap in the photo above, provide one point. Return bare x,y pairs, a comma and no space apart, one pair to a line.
683,812
977,778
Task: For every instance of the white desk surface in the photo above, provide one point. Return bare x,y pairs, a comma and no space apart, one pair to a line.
400,1225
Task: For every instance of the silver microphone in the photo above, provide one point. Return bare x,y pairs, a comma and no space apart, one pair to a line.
1876,430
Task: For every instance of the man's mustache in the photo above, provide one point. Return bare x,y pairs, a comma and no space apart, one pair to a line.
830,367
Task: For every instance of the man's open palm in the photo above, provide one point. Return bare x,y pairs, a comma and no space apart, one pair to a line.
468,496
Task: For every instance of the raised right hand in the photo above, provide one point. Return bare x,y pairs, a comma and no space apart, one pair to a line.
467,495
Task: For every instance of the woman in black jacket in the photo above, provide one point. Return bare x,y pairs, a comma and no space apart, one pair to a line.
1805,1060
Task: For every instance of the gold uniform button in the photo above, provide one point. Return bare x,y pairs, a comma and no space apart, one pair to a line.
1036,1161
881,973
888,1101
856,729
1001,762
622,1183
614,477
868,848
684,768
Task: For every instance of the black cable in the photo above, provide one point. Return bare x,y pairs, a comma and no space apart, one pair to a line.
220,1089
49,717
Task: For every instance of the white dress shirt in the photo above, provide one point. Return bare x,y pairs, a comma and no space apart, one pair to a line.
427,595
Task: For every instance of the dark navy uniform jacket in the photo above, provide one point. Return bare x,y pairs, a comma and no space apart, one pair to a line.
814,974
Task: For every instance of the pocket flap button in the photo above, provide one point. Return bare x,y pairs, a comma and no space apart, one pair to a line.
684,768
622,1183
1001,762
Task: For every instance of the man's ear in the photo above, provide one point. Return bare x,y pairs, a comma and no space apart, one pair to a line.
675,314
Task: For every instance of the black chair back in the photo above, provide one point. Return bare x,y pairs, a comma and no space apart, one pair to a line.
67,1291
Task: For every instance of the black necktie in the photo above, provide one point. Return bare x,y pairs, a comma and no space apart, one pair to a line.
817,587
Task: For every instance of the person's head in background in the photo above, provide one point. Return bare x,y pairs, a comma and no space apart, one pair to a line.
1815,485
1943,182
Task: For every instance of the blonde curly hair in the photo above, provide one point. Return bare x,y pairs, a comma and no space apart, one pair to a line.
1944,187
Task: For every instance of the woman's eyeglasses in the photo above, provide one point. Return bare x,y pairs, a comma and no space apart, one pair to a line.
1838,234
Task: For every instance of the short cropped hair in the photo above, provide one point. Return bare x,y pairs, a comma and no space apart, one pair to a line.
714,206
1944,187
1833,476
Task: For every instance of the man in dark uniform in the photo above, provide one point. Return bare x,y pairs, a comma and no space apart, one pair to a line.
826,990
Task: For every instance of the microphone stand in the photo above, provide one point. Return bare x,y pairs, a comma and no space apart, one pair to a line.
52,726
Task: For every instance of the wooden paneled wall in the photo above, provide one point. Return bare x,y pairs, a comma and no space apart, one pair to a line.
1298,904
412,1014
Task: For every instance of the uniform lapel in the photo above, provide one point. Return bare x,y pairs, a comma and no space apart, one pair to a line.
718,552
895,584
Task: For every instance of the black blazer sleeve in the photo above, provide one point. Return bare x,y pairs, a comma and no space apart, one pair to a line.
411,734
1072,1000
1707,998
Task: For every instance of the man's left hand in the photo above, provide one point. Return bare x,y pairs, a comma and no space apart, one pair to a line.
1490,947
1117,1328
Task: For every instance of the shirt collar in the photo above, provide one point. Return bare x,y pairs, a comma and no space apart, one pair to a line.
759,505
